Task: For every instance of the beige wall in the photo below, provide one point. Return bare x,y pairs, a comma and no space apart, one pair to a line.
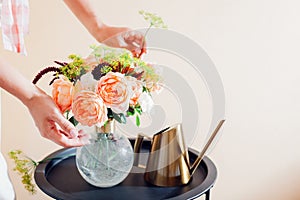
255,46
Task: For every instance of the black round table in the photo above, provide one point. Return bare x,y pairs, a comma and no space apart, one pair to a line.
59,178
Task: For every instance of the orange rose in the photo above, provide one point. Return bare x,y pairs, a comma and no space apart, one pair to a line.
62,94
89,109
114,91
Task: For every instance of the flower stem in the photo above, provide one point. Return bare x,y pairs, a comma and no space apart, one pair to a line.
107,161
144,39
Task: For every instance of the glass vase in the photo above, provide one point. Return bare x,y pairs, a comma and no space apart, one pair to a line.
108,159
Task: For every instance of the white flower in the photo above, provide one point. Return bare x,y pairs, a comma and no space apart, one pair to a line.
136,87
146,102
88,82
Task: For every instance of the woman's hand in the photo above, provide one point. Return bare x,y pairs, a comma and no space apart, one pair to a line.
52,124
47,117
122,37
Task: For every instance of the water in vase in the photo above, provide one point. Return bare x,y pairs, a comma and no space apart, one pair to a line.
107,161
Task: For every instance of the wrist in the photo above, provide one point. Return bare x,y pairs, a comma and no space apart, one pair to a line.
29,98
99,30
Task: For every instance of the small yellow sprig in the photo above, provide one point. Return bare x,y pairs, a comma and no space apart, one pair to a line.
153,19
25,167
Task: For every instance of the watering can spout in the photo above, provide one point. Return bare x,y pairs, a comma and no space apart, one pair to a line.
201,155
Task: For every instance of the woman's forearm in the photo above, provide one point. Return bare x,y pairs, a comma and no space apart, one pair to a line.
84,12
15,83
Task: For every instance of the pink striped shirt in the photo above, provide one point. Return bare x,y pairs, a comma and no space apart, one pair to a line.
14,24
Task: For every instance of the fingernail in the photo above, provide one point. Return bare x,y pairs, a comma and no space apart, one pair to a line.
74,133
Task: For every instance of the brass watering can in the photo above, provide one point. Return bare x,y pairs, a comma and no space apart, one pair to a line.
168,162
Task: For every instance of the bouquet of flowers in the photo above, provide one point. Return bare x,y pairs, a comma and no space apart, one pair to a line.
109,83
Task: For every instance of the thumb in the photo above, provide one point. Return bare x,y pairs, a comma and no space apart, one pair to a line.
66,126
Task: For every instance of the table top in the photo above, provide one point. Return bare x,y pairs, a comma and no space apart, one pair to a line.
60,179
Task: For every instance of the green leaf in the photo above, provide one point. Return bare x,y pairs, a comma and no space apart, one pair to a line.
129,113
123,118
137,120
120,117
73,121
138,110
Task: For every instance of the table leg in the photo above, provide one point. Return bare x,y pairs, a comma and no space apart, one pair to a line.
207,195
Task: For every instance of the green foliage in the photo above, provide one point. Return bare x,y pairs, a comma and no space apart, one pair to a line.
73,70
105,69
125,59
137,111
116,58
100,50
153,19
25,167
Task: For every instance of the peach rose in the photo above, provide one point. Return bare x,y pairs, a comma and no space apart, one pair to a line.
114,91
62,93
89,109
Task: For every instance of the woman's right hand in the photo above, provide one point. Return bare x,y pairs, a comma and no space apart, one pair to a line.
122,37
52,124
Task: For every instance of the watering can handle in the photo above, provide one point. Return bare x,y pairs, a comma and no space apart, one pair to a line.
137,147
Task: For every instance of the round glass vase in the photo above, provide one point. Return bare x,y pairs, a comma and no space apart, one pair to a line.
108,159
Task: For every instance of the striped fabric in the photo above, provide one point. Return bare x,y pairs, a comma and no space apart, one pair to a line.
14,24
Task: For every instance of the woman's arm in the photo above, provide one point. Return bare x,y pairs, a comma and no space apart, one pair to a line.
121,37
